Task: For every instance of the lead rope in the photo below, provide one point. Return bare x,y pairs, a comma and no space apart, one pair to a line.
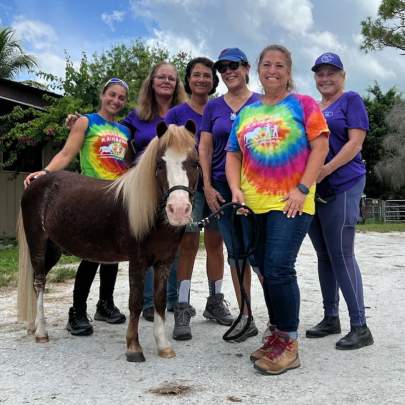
240,256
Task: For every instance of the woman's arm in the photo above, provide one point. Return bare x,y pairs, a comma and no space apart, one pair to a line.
205,150
232,168
69,151
350,149
295,198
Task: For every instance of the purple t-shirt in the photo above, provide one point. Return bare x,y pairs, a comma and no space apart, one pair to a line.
347,112
181,113
142,132
217,119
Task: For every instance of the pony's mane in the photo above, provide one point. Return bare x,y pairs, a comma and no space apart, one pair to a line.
138,186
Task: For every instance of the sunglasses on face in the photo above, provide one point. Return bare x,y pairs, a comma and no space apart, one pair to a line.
222,67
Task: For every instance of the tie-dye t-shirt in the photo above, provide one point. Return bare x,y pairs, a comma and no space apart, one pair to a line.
104,147
274,141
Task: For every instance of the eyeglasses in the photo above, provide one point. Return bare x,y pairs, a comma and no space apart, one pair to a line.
222,67
115,80
163,78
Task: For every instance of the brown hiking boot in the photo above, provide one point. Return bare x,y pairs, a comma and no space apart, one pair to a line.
262,351
282,357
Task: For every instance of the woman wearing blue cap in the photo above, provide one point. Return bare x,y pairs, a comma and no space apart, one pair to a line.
341,184
219,114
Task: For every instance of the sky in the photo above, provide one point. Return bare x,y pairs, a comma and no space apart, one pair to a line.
50,29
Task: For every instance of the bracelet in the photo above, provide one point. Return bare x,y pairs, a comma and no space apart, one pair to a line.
46,171
303,188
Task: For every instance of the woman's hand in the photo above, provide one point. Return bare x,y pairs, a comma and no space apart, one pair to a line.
32,176
238,197
325,171
71,119
294,203
214,198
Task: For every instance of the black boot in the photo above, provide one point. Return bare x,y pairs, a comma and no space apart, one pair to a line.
328,326
358,337
108,312
78,323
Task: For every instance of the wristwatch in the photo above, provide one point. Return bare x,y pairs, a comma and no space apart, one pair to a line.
303,188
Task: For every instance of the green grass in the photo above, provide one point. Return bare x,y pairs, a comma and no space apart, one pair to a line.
9,268
376,227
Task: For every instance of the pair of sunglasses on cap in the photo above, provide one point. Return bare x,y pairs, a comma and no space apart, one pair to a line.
222,67
115,80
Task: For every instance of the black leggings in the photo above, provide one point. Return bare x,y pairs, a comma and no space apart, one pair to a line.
84,278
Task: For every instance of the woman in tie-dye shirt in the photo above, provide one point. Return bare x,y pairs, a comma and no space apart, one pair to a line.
275,152
102,143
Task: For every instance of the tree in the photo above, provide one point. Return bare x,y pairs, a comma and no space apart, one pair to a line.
12,57
388,29
391,169
81,86
378,105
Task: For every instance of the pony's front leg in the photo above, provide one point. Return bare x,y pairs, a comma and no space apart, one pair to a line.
41,335
160,280
136,281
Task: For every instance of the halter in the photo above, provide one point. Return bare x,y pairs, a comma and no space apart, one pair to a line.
178,187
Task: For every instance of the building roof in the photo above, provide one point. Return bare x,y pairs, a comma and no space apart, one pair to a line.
18,93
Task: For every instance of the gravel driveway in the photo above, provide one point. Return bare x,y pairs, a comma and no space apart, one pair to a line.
93,370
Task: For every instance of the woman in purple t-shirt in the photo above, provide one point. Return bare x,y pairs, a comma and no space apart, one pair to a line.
341,184
200,81
161,90
218,117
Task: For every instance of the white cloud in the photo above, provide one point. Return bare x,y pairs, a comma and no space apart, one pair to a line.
36,33
370,7
115,17
51,63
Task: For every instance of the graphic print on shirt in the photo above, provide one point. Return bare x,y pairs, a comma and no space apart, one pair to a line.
104,148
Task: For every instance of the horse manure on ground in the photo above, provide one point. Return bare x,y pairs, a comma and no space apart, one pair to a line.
174,389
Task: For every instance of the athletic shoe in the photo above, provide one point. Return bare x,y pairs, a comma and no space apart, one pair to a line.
182,316
78,324
108,312
217,310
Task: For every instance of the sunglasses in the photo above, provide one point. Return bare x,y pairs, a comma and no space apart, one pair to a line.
115,80
222,67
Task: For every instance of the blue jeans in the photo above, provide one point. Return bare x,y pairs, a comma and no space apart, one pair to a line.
232,234
332,234
171,289
275,255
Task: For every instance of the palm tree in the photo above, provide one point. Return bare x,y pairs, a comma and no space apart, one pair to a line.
12,57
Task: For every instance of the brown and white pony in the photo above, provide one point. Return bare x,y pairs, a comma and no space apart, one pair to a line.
139,218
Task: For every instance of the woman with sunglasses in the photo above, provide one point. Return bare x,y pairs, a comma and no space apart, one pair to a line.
341,184
275,152
218,117
102,144
200,81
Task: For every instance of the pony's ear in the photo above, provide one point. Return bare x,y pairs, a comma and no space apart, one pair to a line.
190,125
161,129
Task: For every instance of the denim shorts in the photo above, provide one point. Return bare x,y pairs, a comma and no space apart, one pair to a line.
200,211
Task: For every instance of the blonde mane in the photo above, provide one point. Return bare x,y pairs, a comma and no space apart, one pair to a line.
138,187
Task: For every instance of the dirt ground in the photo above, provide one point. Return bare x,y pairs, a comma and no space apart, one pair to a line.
93,370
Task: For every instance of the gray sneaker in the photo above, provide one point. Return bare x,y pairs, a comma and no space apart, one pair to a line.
251,331
217,310
182,316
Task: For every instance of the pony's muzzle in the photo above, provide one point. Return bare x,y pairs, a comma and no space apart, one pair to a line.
179,214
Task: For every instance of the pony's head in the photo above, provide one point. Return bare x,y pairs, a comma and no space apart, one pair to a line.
165,175
177,170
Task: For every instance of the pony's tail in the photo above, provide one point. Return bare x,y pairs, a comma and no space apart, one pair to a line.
26,299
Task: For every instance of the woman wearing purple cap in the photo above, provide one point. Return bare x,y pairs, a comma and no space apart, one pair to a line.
200,81
341,184
216,125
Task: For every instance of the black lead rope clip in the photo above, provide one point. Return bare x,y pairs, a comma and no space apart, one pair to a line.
241,252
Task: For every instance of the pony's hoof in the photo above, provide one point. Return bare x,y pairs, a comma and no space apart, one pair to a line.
135,357
167,353
42,339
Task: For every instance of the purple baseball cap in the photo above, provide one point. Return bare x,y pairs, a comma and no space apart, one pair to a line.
232,55
328,58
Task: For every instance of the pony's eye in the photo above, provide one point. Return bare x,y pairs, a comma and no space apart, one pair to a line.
160,165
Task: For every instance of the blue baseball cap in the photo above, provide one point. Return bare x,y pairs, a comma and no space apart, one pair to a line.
328,58
232,55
